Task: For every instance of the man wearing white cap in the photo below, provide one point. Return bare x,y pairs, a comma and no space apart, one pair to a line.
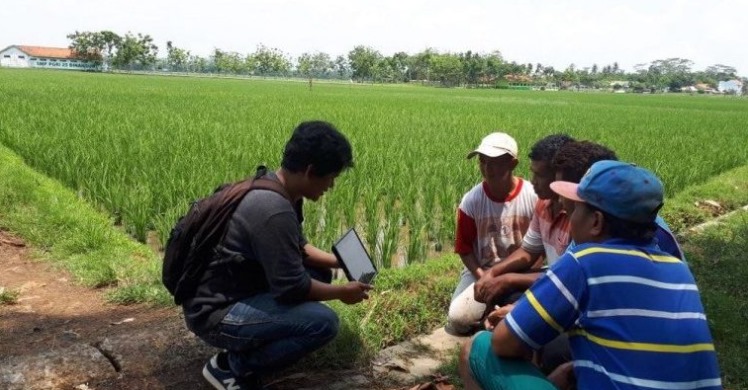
491,220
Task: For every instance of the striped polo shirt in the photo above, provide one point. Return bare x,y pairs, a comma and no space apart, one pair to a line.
633,314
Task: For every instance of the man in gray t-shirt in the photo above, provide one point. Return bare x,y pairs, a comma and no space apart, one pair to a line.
259,298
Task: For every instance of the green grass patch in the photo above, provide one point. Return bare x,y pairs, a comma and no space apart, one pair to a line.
450,369
688,207
8,296
64,228
717,259
406,302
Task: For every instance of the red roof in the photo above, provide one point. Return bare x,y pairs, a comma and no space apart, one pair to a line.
47,52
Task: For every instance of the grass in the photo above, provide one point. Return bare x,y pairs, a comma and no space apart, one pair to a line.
717,259
405,303
8,296
144,147
687,208
450,369
66,229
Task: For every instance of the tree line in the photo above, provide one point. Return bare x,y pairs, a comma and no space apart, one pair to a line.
366,64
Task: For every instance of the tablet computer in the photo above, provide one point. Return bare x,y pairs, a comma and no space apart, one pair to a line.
353,258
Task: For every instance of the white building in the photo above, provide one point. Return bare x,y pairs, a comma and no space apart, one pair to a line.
731,86
18,56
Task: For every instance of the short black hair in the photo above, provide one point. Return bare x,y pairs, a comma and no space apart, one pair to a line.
628,230
546,148
320,145
575,158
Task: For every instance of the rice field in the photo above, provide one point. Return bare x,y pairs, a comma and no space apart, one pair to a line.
143,147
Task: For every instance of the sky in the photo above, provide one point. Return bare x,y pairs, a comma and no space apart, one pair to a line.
551,32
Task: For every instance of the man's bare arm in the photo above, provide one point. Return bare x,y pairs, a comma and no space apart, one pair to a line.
471,263
489,288
506,344
518,261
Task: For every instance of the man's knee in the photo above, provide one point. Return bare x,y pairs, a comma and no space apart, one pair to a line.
458,323
324,323
464,317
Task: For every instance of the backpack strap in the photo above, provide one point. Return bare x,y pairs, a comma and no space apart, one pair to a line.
259,181
271,185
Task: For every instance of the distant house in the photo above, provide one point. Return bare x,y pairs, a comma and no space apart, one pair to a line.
705,88
20,56
689,88
518,78
731,86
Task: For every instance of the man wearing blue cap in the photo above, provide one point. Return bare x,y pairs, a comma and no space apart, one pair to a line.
632,312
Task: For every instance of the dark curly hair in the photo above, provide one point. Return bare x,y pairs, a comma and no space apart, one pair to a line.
320,145
546,148
575,158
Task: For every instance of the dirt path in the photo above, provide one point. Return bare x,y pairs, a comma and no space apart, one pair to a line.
52,313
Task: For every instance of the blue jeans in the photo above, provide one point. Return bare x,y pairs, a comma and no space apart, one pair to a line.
262,335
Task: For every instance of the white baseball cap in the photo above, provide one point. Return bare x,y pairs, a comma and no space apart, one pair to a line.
495,145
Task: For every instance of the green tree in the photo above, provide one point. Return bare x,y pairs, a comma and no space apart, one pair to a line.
135,51
271,61
217,59
197,64
473,67
674,73
87,45
341,67
721,72
364,62
446,69
418,65
570,74
111,42
176,58
99,47
314,65
538,69
382,71
494,67
399,65
250,64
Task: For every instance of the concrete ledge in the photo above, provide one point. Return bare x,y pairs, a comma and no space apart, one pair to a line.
413,360
153,354
148,353
61,368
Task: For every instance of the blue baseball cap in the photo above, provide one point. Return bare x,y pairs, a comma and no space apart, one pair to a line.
621,189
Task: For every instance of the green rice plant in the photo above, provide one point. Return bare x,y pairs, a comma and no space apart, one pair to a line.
144,147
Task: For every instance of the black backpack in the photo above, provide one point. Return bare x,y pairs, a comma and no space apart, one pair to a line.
193,240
